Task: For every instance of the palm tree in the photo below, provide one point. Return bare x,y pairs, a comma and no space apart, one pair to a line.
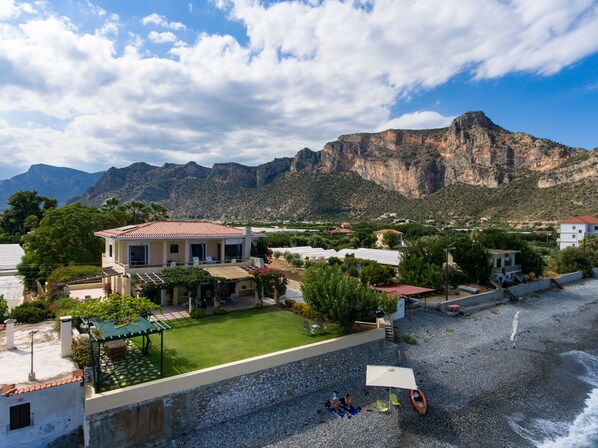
137,211
157,212
111,204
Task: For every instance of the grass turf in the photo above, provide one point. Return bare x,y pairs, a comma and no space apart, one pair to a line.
195,344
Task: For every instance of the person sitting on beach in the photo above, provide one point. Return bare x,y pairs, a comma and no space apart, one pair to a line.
334,404
347,401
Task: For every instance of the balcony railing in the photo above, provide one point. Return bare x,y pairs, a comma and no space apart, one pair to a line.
180,263
507,269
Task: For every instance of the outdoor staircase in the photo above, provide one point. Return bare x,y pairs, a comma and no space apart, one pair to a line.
556,283
389,332
510,295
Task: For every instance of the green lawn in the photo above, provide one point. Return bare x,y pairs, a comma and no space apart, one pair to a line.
194,344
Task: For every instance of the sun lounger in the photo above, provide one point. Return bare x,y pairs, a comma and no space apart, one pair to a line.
381,407
394,400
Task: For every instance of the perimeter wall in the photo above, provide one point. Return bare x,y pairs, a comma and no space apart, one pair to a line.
490,298
152,413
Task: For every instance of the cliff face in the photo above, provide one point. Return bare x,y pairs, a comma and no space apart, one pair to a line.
472,151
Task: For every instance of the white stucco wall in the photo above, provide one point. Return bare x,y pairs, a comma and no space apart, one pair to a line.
55,411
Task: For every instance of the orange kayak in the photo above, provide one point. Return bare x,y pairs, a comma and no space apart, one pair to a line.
418,401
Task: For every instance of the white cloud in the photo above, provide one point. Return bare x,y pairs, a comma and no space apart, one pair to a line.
418,120
158,20
161,38
10,9
310,71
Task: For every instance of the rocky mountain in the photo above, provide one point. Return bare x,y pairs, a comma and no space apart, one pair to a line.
51,181
482,169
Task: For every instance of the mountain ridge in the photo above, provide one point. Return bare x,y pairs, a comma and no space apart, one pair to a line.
60,183
475,164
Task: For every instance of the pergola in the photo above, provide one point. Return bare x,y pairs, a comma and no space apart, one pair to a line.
403,290
106,331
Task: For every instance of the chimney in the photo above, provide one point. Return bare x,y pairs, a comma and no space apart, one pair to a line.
247,243
65,336
10,334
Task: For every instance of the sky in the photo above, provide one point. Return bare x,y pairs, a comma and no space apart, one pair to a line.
95,84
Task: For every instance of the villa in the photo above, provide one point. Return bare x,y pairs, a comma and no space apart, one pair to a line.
143,251
574,230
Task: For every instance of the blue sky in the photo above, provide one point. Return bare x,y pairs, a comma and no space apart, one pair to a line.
94,84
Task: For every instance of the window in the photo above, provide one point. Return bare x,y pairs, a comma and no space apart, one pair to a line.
20,416
174,248
596,228
580,231
233,251
138,255
573,236
573,227
110,250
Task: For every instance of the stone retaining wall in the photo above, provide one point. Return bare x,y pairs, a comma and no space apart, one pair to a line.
154,421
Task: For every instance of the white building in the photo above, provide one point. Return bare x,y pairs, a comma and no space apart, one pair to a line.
388,257
574,230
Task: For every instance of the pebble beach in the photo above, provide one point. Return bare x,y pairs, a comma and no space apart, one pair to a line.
481,391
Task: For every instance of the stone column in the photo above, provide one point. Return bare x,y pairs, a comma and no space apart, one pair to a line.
10,334
66,331
164,253
163,297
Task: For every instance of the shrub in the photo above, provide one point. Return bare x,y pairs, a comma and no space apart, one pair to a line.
410,339
572,259
3,309
259,305
219,311
197,314
80,352
32,312
63,306
297,262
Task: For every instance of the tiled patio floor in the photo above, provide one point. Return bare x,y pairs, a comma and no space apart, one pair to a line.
133,369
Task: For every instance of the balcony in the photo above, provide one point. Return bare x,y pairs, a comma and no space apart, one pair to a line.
147,268
507,269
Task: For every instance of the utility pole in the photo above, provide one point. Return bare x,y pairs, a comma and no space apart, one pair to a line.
446,272
32,373
446,275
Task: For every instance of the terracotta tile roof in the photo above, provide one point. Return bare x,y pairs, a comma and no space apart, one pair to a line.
10,390
389,230
585,219
341,230
172,230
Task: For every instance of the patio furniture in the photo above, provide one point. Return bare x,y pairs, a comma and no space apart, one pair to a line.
209,260
394,400
116,349
320,324
309,329
381,407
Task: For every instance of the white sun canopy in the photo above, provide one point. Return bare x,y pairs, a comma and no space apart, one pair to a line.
390,376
